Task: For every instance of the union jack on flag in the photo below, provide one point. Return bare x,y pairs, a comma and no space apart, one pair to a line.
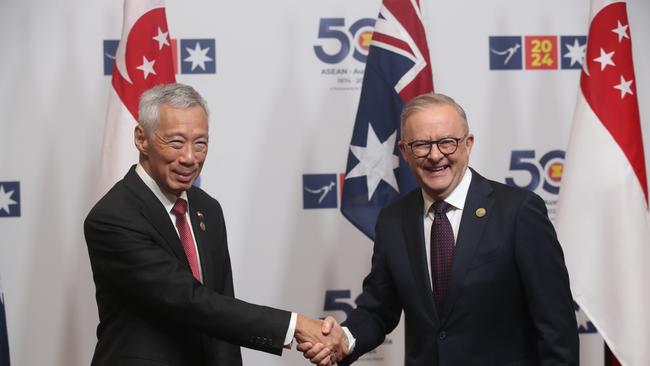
397,70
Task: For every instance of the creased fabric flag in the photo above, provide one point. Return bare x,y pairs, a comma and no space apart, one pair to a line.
4,337
397,70
143,59
602,219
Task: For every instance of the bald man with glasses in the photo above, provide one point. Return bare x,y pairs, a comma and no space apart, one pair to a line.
474,264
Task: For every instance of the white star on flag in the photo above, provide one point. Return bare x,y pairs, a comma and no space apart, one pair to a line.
376,161
621,30
625,87
605,59
198,56
582,319
576,52
161,38
147,67
5,199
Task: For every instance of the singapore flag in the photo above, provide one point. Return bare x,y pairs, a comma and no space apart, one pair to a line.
602,218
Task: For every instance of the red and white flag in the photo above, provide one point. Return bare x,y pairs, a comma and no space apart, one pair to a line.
143,59
603,220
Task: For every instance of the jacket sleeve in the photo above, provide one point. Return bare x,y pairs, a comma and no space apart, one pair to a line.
379,308
546,284
129,263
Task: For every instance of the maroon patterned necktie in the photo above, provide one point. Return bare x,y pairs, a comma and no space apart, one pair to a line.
185,234
442,251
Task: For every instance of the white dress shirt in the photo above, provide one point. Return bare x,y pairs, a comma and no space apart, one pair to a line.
168,201
457,201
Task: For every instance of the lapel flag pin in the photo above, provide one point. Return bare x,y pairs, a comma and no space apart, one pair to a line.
201,223
480,212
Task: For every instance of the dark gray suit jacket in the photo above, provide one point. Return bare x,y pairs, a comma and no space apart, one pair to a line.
508,300
151,309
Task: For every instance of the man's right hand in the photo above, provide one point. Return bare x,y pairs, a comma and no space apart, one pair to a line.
322,342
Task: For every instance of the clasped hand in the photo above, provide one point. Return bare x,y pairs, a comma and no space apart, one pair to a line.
323,342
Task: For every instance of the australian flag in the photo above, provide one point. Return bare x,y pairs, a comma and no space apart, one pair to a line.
397,70
4,340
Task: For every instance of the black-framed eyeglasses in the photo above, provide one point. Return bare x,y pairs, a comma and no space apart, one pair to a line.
446,146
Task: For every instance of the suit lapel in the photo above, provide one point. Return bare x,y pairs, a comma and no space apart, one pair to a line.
412,223
469,235
154,212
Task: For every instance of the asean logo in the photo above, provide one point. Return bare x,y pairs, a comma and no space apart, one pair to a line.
338,41
547,171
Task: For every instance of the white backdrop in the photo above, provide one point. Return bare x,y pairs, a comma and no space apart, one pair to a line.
278,113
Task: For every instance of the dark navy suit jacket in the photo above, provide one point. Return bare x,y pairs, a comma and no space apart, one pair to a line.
508,300
151,309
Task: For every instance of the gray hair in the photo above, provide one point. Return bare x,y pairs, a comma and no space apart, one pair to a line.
423,101
174,95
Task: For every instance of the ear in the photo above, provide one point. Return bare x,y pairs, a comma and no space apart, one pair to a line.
403,148
469,142
140,139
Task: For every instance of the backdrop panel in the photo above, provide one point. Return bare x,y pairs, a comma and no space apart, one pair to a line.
283,94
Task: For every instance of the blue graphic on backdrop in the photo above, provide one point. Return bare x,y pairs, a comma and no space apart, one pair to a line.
547,171
342,48
110,50
319,191
198,56
9,199
505,53
572,51
356,38
340,300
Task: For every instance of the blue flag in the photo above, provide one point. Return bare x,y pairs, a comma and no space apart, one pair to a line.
4,339
397,70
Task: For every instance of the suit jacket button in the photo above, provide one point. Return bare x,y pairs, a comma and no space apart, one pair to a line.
442,335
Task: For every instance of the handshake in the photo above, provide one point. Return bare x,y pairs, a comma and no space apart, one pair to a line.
323,342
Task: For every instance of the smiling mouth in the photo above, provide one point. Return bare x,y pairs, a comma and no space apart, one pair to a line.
436,169
185,177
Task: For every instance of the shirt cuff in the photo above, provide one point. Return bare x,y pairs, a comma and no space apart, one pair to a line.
351,340
288,339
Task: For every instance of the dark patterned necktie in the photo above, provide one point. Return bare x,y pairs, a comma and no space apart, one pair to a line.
179,209
442,251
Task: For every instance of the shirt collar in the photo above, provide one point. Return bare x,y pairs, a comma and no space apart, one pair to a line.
167,200
457,196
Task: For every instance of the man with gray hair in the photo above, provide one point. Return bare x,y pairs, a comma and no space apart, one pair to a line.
160,261
474,264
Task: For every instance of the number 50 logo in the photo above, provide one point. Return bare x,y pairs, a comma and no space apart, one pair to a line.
360,33
547,171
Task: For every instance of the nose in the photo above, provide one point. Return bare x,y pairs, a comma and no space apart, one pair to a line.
188,156
434,153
